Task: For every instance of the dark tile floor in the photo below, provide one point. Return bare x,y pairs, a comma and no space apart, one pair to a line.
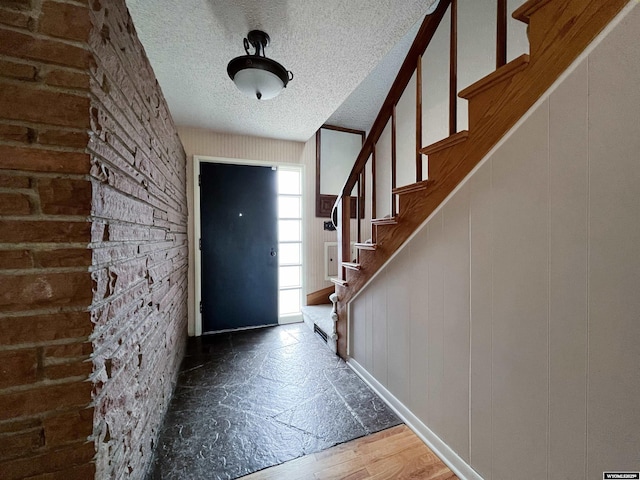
249,400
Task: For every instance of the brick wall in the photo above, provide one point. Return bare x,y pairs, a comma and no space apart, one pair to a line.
92,243
45,283
139,240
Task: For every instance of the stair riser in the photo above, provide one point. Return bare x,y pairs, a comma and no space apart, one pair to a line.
484,104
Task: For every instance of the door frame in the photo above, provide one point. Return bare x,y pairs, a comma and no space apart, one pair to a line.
197,267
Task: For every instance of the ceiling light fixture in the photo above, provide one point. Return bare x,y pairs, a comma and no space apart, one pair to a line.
256,75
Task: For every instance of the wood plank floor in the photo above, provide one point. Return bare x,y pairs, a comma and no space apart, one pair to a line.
396,453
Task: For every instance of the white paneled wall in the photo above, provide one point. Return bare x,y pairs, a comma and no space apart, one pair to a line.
509,324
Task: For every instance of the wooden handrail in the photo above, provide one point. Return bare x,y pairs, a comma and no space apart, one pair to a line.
424,36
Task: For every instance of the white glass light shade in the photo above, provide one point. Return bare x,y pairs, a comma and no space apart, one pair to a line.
258,83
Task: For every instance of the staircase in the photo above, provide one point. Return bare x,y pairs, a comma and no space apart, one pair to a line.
558,31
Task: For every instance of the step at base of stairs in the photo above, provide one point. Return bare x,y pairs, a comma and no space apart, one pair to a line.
339,281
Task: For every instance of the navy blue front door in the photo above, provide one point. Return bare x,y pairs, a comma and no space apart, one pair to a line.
238,219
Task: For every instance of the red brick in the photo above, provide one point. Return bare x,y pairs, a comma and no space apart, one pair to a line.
45,328
65,196
64,138
15,19
68,427
12,259
45,399
27,102
30,292
81,472
17,4
72,257
50,462
17,426
21,45
14,204
14,181
18,367
18,71
19,444
65,78
68,370
16,231
14,133
72,350
64,20
40,160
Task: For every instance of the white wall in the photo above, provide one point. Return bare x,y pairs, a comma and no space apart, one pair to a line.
204,142
383,173
509,325
406,135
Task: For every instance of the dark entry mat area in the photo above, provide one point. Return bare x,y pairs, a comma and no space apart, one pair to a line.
252,399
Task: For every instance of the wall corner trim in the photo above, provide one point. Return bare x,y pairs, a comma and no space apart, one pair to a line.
441,449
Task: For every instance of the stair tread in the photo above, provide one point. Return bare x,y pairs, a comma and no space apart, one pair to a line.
385,221
501,74
451,140
524,11
351,265
412,187
339,281
366,246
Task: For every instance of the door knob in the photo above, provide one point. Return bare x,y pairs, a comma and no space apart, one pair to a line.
273,252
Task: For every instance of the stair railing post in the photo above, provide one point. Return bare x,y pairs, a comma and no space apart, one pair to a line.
419,119
453,70
501,34
344,234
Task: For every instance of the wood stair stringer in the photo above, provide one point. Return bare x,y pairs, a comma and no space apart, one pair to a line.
567,28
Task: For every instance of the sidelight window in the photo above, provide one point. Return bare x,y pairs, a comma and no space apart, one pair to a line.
289,241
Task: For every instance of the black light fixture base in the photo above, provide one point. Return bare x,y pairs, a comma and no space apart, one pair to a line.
259,40
257,61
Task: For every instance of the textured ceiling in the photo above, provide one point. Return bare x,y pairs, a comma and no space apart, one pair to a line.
330,46
361,108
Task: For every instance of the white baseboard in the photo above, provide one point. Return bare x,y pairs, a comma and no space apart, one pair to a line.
441,449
